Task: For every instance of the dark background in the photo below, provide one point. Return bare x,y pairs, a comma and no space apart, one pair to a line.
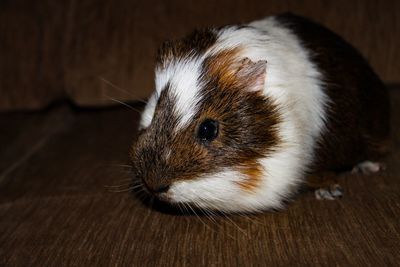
64,169
67,49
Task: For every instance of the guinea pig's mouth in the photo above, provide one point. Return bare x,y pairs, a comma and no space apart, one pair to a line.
160,200
164,197
160,192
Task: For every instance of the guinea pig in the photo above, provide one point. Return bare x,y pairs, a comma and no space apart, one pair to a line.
241,115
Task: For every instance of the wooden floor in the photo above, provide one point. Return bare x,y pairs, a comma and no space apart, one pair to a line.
56,208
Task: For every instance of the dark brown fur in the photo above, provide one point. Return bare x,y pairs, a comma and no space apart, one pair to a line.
357,126
190,46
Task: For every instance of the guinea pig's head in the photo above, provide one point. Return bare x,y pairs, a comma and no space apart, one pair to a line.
206,128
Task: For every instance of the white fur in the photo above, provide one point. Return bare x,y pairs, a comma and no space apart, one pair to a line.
292,82
148,112
218,192
183,76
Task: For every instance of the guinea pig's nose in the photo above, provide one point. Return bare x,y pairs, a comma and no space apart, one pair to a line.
156,188
161,189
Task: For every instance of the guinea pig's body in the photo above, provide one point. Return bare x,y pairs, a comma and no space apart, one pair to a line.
242,114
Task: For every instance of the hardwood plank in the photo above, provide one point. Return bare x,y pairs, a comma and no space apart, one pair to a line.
22,135
56,211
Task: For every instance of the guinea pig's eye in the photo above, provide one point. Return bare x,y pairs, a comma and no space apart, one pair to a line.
208,130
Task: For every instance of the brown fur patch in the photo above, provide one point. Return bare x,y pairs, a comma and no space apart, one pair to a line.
223,67
253,172
229,70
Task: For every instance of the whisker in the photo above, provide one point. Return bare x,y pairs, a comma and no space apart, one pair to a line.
124,166
230,220
123,103
120,89
250,218
234,224
117,186
209,215
186,210
129,185
180,208
120,190
206,225
141,194
225,232
126,180
120,165
220,226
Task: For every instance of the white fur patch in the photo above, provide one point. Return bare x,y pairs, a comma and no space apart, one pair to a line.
217,192
148,112
183,77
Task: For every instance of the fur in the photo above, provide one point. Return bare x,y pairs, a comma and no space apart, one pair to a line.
273,98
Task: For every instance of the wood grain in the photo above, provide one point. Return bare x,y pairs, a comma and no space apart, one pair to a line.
56,210
58,49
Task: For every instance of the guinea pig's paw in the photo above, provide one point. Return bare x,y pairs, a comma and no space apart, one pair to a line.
333,192
368,167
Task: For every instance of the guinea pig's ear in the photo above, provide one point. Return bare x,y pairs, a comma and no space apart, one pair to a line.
252,74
